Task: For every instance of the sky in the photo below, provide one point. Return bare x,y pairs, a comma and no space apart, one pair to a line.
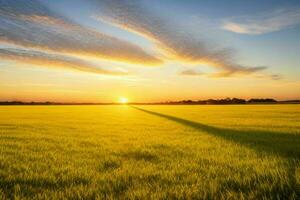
148,51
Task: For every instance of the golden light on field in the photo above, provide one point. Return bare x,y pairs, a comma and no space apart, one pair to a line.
123,100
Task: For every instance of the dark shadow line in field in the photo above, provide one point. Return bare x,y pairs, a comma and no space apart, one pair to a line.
284,145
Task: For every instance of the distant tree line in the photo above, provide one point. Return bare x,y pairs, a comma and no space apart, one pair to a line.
23,103
262,101
47,103
226,101
223,101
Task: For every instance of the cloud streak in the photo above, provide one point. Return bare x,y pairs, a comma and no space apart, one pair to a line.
32,25
191,72
169,37
53,61
194,72
264,22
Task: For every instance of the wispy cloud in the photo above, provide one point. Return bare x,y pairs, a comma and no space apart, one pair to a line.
275,77
264,22
53,61
196,72
170,37
244,71
191,72
32,25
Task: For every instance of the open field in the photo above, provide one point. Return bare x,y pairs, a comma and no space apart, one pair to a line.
151,152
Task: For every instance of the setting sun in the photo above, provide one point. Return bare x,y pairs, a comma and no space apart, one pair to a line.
123,100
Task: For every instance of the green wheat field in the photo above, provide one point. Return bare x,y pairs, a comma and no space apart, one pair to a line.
150,152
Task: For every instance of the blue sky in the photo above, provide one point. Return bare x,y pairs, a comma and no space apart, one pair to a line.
218,48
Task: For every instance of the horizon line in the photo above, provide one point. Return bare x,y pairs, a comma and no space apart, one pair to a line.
184,102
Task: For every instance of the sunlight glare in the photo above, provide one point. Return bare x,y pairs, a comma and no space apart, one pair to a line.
123,100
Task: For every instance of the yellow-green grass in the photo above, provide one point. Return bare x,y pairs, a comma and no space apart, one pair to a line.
150,152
